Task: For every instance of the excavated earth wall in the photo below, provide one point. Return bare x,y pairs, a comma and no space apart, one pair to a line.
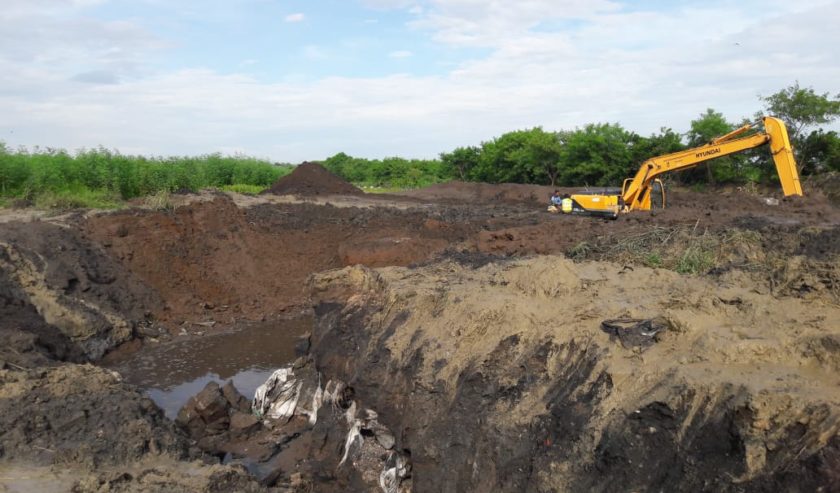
489,366
501,379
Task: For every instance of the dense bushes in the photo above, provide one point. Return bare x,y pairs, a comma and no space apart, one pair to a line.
391,172
101,177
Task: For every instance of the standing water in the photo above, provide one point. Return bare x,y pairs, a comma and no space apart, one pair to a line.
171,373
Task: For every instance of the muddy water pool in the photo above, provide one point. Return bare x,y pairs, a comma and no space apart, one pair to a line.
170,373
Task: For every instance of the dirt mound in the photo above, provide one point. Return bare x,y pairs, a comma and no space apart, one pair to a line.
503,379
312,179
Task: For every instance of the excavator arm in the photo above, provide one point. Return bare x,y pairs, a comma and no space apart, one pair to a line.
636,194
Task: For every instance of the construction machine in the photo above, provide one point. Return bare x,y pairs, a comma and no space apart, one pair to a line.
645,190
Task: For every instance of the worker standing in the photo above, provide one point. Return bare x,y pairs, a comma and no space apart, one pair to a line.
566,204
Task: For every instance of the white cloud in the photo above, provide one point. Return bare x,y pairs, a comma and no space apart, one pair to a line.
297,17
400,54
638,68
313,52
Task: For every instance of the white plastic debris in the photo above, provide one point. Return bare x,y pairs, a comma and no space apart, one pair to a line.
284,395
350,414
395,469
317,400
278,397
352,435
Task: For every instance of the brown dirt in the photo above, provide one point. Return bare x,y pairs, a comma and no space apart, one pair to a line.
73,284
212,261
312,179
74,287
502,378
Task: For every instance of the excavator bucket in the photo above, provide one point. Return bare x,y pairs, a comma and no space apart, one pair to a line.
783,156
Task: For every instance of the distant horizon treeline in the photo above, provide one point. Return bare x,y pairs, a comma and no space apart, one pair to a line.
603,154
597,154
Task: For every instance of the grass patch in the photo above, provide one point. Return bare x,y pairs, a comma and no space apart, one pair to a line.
695,260
653,260
244,189
77,198
682,249
160,201
580,251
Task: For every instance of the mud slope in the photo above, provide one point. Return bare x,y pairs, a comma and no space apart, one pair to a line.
72,284
502,378
212,261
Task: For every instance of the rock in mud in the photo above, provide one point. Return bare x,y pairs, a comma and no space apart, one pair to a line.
212,415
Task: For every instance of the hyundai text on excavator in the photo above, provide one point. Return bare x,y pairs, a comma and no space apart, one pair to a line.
645,191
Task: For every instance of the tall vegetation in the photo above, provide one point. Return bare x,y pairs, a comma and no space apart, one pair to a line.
603,154
100,177
391,172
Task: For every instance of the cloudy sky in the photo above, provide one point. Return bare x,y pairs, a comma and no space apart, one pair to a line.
295,80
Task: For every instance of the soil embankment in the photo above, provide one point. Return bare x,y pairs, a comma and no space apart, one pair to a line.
503,378
462,361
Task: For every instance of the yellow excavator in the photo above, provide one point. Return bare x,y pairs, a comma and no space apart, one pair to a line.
645,191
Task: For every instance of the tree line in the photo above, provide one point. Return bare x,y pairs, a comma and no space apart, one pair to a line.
101,178
601,154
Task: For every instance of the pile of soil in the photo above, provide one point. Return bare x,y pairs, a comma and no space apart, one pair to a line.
312,179
85,415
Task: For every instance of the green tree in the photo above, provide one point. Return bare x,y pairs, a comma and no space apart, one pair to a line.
802,108
542,154
820,152
598,154
503,160
461,161
709,125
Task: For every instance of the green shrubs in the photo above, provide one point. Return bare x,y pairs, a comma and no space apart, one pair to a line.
102,178
77,198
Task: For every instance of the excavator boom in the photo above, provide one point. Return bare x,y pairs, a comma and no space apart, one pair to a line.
636,193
